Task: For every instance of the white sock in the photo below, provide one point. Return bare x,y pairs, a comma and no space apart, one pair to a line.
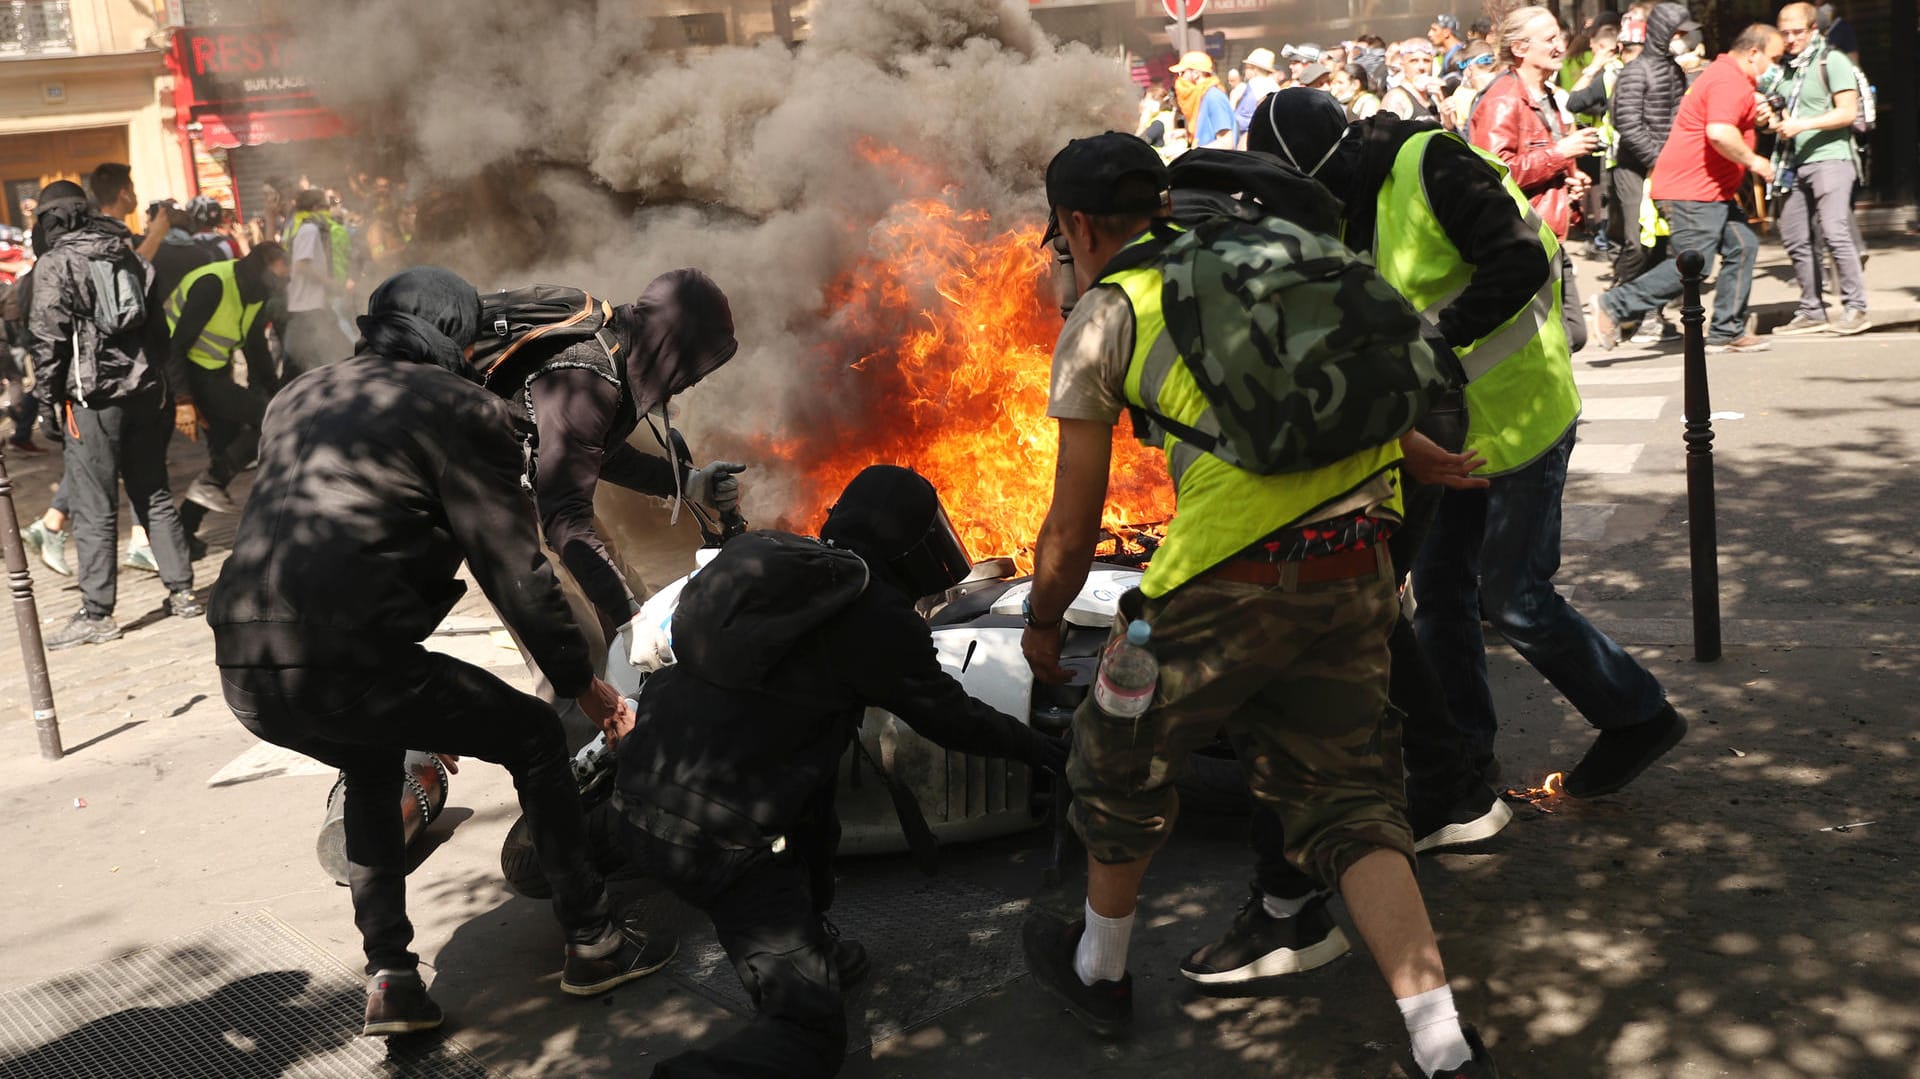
1277,907
1102,956
1434,1026
608,944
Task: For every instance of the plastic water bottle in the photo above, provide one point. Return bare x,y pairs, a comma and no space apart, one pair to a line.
1128,674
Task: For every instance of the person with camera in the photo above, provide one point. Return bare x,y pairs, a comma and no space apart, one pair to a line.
1815,167
1696,185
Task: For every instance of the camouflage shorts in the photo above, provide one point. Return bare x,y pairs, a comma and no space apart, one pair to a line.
1298,679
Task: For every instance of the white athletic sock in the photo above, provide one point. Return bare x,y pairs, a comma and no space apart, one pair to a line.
608,944
1277,907
1102,956
1434,1026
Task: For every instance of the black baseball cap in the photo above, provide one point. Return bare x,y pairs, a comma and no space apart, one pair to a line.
1086,177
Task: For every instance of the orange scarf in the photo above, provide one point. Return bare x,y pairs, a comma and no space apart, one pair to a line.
1189,95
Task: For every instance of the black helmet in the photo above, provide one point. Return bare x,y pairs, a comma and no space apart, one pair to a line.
206,212
892,517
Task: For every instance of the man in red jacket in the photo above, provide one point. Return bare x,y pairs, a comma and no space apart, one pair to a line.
1695,184
1519,119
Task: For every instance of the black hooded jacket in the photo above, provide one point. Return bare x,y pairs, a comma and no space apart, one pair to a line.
378,476
73,359
781,644
678,332
1647,94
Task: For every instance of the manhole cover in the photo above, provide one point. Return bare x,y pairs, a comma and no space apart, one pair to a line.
935,944
245,997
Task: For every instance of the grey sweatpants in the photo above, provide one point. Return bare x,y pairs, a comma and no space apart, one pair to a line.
1821,206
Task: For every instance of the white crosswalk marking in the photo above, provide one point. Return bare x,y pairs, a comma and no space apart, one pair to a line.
1604,459
1622,408
1624,376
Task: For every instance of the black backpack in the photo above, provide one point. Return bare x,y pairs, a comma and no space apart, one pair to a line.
512,321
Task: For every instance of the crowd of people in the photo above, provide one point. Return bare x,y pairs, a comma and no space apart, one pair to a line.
1581,119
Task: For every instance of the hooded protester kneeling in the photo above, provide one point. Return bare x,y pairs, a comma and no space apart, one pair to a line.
727,782
378,477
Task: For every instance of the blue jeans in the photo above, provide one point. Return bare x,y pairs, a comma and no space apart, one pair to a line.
1497,551
1705,227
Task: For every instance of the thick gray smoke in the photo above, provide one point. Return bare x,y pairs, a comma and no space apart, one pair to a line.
586,158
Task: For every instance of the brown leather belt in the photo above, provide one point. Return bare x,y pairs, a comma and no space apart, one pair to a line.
1341,566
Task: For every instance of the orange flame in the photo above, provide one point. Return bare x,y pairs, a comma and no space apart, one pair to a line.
943,340
1547,784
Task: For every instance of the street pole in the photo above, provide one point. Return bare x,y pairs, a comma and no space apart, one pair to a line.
26,617
1703,539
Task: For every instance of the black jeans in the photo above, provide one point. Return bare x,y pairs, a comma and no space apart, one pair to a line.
364,721
121,443
767,911
1437,757
233,413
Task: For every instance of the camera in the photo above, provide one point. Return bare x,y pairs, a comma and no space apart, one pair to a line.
1778,103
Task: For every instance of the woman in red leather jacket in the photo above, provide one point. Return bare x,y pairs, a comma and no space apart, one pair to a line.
1519,118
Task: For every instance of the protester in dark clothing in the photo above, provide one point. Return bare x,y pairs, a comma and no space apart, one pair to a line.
206,326
378,476
726,784
585,404
110,405
1646,96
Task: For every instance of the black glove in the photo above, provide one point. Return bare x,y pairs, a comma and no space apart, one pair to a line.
1047,753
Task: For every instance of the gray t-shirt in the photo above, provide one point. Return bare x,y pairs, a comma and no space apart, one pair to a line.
1090,359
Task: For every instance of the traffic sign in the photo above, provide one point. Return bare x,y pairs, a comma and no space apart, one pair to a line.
1194,8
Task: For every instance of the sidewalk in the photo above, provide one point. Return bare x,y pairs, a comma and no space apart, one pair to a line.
1893,283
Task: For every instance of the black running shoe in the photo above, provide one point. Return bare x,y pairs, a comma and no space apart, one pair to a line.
1480,1067
1106,1007
849,957
1467,818
184,604
637,955
1262,946
1618,756
397,1003
83,629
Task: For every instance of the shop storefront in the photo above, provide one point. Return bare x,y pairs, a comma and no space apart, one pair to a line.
250,118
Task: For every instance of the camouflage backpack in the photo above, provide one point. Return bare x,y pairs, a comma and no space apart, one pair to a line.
1303,353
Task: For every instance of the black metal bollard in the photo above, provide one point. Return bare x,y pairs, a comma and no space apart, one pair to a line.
26,616
1703,539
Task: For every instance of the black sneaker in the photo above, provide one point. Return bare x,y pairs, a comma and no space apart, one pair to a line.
1620,755
637,955
184,604
83,629
1470,817
397,1003
1480,1067
1262,946
1106,1007
849,957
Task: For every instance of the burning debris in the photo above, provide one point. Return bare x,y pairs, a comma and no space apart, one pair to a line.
872,200
1543,797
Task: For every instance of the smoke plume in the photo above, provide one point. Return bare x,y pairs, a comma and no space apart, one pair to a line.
569,151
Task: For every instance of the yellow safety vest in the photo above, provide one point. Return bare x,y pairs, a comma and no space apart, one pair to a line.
1221,508
339,241
1520,393
229,324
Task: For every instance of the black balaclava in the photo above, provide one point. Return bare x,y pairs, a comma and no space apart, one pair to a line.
63,208
1308,129
422,315
892,518
678,332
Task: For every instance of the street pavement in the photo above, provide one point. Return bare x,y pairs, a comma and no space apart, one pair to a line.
1744,909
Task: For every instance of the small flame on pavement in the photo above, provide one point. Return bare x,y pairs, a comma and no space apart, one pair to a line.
1549,789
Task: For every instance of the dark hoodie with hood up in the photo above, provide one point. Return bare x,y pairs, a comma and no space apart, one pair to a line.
781,644
1647,94
74,360
679,331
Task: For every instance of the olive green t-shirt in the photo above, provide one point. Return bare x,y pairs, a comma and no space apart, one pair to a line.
1823,74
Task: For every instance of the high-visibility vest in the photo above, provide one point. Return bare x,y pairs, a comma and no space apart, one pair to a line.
229,324
1221,509
1520,393
339,240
